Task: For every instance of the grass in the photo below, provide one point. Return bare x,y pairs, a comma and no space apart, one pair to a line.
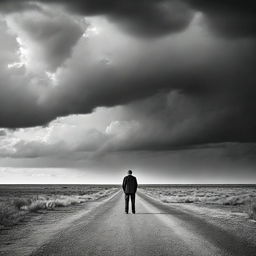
13,208
239,198
217,195
9,215
21,202
252,210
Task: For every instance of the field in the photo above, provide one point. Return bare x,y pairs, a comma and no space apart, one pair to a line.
239,198
16,201
73,220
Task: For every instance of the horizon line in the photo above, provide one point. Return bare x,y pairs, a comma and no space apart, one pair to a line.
141,184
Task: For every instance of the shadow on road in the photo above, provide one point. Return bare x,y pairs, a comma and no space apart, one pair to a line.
152,213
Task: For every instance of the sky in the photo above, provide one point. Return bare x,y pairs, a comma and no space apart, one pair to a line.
90,89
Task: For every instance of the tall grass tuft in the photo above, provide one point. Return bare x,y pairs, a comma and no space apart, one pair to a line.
9,215
252,210
21,202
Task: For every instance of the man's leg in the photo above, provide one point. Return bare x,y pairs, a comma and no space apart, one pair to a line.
133,202
126,203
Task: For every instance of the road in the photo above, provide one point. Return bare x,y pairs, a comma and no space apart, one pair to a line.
155,229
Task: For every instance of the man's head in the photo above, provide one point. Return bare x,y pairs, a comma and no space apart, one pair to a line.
130,172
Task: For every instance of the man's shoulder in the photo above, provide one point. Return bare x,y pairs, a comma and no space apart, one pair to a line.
129,177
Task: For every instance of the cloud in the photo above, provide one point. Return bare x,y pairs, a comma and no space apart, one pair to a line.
177,90
2,132
155,18
228,19
33,45
164,122
59,139
45,37
178,121
150,18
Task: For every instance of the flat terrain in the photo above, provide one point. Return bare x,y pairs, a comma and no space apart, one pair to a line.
18,201
236,195
155,229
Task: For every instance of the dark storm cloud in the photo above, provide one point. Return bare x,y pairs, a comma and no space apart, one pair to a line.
213,103
144,18
57,37
178,121
153,18
18,102
51,33
214,89
228,18
17,6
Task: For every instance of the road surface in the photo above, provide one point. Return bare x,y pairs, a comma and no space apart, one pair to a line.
155,229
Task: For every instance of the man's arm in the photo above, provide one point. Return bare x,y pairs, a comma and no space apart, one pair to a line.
136,185
124,184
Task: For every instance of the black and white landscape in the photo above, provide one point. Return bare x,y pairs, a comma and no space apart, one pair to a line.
90,89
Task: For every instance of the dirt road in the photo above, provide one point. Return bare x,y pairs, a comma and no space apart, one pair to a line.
155,229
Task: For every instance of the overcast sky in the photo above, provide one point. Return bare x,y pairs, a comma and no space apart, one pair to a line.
90,89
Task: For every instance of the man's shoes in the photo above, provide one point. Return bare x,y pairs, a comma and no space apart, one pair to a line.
126,212
133,212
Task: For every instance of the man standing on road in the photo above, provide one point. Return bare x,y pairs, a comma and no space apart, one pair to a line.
130,187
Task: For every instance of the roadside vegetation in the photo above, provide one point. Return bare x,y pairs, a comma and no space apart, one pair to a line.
15,205
252,210
242,198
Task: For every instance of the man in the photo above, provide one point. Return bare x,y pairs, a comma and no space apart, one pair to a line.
130,187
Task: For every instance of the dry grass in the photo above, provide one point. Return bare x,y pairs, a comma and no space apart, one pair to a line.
9,215
252,210
21,202
13,208
241,199
203,195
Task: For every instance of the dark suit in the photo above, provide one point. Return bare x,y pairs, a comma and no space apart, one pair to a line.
130,187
